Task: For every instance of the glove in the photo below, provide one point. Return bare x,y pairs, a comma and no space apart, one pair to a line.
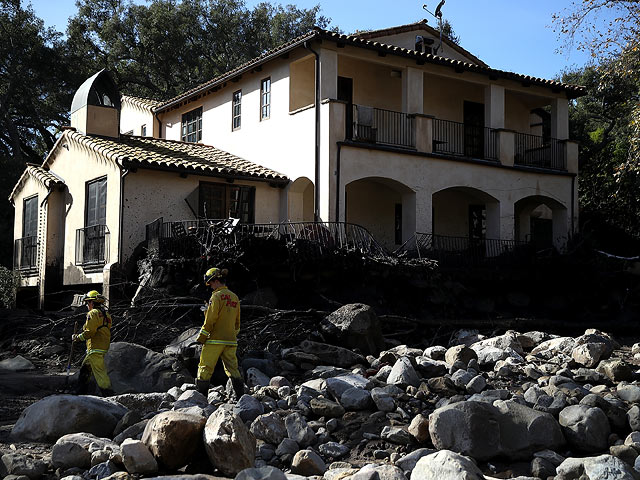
74,337
202,338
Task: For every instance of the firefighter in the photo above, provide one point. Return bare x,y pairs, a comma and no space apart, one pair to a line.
96,332
219,333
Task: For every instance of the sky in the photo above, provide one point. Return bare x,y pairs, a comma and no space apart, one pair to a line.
512,35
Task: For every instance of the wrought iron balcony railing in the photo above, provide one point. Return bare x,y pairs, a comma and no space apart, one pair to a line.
459,139
385,127
541,152
92,246
25,254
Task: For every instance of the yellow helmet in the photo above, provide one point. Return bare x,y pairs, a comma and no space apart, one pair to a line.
93,296
214,273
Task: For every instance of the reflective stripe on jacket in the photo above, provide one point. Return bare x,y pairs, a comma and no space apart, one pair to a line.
96,331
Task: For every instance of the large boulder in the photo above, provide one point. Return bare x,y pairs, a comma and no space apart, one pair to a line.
332,355
74,450
603,467
142,403
308,463
482,430
137,458
19,465
586,428
229,444
403,373
134,368
269,428
446,465
173,437
52,417
356,326
16,364
182,342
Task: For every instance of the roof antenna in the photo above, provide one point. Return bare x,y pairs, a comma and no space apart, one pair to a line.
438,15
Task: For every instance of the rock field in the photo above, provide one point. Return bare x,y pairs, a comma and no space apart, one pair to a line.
348,404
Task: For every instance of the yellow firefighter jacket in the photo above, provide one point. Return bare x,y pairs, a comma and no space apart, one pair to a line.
96,331
222,318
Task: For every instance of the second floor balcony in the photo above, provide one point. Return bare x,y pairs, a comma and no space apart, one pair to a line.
25,255
428,134
92,246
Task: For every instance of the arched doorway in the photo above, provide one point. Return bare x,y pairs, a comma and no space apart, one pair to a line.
542,221
465,212
385,207
300,200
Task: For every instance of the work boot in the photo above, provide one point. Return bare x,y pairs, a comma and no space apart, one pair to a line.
202,386
238,386
107,392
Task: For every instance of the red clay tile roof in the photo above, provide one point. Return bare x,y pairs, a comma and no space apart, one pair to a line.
147,152
145,103
317,33
46,178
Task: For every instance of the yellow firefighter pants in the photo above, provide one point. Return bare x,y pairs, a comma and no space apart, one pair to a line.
209,358
95,361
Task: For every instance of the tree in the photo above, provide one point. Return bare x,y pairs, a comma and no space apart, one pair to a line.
610,31
36,88
162,49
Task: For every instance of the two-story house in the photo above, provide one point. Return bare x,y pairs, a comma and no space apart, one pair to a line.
387,129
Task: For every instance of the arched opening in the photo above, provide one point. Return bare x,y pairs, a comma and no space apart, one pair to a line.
542,221
465,212
300,200
385,207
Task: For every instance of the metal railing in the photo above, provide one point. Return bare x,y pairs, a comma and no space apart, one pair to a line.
386,127
537,151
460,251
191,238
455,138
25,254
92,245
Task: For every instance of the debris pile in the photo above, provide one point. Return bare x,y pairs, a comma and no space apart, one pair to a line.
348,403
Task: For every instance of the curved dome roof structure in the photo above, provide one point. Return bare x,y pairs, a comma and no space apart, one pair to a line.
99,90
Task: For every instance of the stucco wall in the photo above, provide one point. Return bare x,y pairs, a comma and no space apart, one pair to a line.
77,165
149,194
444,98
132,117
408,40
373,84
284,142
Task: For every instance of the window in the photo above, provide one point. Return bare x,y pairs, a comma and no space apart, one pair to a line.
96,207
236,109
192,126
265,99
218,200
30,217
143,130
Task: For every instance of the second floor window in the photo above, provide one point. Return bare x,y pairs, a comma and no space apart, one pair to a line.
96,208
30,217
265,99
192,126
143,130
236,109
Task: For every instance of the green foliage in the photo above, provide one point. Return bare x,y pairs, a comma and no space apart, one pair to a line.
164,48
8,286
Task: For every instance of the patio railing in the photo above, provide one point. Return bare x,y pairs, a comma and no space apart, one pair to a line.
92,246
454,138
192,238
537,151
386,127
459,251
25,254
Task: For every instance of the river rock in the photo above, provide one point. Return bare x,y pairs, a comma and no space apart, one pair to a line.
340,384
586,428
603,467
446,465
332,355
17,464
230,446
299,431
483,431
307,463
403,374
248,408
52,417
16,364
355,399
74,450
137,457
357,326
143,403
419,428
173,437
263,473
270,428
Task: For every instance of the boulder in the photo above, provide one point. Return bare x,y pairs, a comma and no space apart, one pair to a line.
459,353
419,428
137,458
52,417
332,355
269,428
255,378
17,464
307,463
483,431
408,462
229,444
616,370
299,431
191,398
403,373
585,428
143,403
173,437
16,364
333,449
135,431
184,341
383,400
263,473
629,393
340,384
134,368
589,354
248,408
603,467
74,450
355,399
356,326
326,408
446,465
